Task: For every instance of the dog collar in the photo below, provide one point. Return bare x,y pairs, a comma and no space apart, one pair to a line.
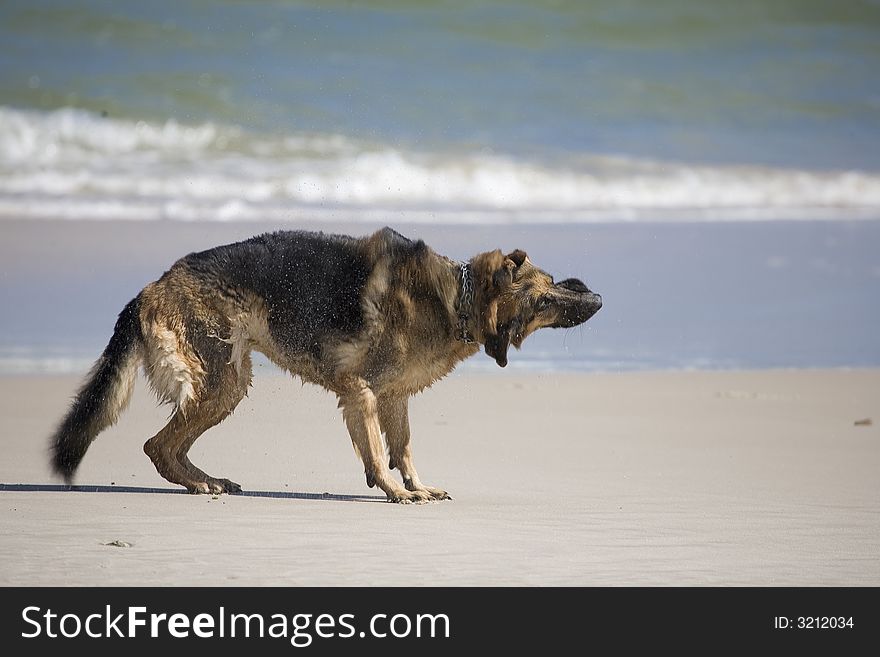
465,303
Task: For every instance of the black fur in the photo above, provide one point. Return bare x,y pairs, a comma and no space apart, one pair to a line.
87,414
311,283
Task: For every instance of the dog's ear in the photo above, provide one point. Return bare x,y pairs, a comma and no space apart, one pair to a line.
518,257
494,275
503,276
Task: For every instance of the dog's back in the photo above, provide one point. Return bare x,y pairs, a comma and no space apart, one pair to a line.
310,283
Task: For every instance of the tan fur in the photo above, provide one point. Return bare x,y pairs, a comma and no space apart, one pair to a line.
120,396
531,283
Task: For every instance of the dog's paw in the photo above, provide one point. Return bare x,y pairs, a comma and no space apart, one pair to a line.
225,486
213,486
198,488
410,496
437,493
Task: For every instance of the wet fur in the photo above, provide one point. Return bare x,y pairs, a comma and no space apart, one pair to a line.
371,319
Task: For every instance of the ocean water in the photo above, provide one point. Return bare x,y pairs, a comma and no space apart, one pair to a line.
459,111
610,125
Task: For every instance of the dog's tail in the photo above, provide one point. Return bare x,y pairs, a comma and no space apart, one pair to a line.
105,393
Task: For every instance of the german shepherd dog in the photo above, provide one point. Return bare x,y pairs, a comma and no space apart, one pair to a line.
373,319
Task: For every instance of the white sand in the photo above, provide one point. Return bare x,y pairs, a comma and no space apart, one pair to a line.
751,478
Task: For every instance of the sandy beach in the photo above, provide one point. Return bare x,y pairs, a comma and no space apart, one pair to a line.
662,479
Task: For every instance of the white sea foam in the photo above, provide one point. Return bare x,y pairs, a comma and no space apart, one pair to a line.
72,164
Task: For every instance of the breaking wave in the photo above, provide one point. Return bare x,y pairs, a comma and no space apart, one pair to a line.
73,164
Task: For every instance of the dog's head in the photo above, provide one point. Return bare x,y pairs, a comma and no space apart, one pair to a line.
515,298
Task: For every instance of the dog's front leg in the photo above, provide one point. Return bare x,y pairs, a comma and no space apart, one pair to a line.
394,420
359,410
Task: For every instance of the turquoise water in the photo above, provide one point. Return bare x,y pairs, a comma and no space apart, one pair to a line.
457,111
754,82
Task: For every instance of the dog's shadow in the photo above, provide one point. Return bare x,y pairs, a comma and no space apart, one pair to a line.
281,495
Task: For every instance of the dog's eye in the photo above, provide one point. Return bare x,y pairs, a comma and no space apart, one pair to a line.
542,304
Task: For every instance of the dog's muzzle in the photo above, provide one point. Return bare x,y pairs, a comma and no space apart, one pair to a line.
578,305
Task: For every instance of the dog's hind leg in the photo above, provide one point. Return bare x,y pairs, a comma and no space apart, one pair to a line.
224,394
359,410
210,405
190,366
394,420
164,447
